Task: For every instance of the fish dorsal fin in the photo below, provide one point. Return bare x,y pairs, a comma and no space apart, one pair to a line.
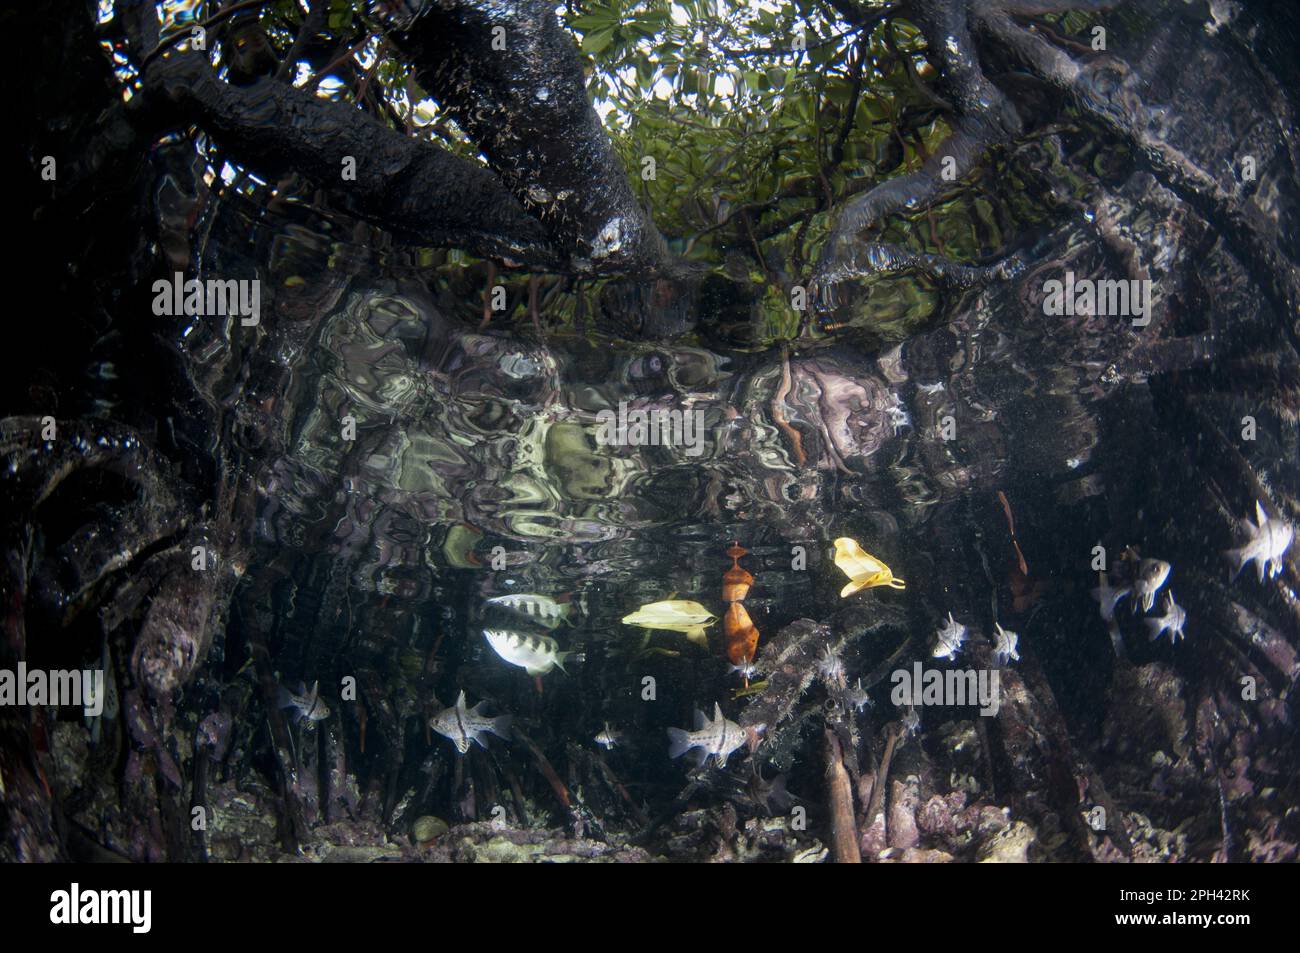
717,713
460,701
852,586
1260,516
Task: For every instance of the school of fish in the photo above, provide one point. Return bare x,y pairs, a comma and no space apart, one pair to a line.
1266,540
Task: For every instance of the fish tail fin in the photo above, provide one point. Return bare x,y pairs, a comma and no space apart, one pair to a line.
854,585
1109,601
679,742
283,698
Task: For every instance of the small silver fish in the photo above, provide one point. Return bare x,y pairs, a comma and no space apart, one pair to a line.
1004,650
535,654
718,738
911,722
1267,542
831,666
857,697
1172,621
307,705
541,609
463,726
950,638
1108,598
1152,574
609,737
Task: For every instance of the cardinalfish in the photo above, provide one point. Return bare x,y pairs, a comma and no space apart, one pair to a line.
465,725
1151,575
864,570
1267,540
717,738
307,705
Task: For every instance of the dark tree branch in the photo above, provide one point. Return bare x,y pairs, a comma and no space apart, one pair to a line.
314,23
983,117
420,191
511,77
220,16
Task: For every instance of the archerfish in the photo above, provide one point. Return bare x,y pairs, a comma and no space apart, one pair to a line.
463,725
307,705
541,609
718,738
535,654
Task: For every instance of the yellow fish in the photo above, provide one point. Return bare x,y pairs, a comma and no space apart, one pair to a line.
674,615
864,570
